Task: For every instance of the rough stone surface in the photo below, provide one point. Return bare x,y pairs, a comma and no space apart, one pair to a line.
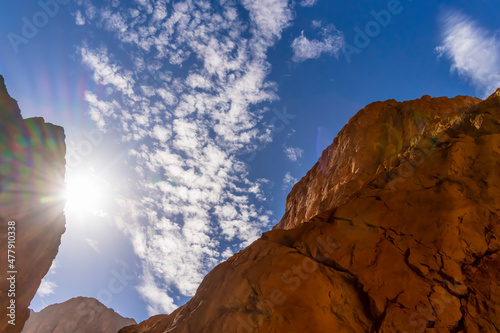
31,183
77,315
396,229
374,138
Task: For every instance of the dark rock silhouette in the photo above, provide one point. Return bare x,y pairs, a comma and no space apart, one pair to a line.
77,315
395,229
31,184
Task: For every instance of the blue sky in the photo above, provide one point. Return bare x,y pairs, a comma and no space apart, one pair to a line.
188,122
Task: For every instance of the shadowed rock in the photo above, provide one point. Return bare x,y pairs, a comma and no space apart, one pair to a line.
31,184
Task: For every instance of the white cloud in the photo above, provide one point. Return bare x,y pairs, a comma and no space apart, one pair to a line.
331,43
293,153
161,133
473,51
288,181
317,24
93,244
308,3
227,253
100,110
79,19
47,287
188,128
269,18
159,300
105,72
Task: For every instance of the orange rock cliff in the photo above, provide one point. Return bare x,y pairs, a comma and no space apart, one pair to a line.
395,229
31,208
77,315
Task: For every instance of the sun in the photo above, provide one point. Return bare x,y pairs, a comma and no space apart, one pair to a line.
86,193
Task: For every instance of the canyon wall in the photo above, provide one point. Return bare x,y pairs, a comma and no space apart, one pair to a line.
77,315
31,207
395,229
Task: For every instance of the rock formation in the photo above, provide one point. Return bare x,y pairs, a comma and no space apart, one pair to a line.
31,184
395,229
78,315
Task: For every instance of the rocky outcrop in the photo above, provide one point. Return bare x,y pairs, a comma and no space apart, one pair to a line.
31,207
373,141
395,229
77,315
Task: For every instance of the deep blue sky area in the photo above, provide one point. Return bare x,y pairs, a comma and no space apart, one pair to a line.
188,122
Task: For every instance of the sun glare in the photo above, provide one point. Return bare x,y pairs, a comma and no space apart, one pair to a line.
86,193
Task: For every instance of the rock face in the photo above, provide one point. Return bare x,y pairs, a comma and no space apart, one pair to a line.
78,315
374,138
31,184
395,229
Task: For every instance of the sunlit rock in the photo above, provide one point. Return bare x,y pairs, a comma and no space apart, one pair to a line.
77,315
395,229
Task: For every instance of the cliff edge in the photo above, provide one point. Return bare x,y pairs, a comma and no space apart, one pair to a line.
395,229
31,207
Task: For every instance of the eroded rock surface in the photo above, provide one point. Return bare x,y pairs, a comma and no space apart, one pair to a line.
31,184
77,315
372,140
395,229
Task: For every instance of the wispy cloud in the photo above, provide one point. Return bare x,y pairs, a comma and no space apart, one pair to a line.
192,102
105,72
473,51
47,287
79,19
307,3
293,153
155,293
93,244
331,43
288,181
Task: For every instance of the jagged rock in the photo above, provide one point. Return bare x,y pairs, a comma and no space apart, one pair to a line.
31,184
77,315
395,229
374,138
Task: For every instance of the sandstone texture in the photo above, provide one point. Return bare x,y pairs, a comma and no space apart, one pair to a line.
395,229
31,186
77,315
